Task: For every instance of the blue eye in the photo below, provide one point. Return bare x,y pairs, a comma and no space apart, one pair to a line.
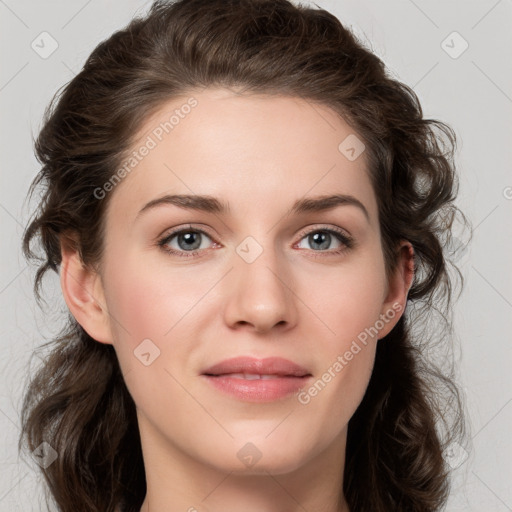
190,240
324,237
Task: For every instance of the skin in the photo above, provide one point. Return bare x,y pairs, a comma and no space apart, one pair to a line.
298,301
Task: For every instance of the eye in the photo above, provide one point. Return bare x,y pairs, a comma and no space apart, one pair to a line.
320,239
188,240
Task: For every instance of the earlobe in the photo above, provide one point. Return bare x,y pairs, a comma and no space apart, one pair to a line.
398,289
83,292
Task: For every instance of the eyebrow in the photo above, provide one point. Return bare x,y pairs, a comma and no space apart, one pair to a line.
211,204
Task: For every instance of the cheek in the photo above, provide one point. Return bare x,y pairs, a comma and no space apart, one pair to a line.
345,358
148,310
149,302
349,304
348,300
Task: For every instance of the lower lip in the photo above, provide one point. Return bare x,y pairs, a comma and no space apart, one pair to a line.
257,390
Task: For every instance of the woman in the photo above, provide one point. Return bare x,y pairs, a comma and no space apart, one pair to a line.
216,357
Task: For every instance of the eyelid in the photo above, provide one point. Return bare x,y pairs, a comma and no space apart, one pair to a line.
161,240
188,226
312,228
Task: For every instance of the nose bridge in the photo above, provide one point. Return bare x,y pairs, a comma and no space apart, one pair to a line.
259,290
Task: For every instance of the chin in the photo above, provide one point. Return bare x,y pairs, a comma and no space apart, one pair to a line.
260,456
263,467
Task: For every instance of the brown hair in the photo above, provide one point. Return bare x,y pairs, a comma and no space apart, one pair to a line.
78,402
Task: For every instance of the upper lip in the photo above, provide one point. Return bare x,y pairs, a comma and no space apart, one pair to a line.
251,365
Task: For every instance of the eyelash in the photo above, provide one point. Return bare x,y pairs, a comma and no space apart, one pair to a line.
347,241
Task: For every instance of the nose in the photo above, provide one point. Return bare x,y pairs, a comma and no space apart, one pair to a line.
260,294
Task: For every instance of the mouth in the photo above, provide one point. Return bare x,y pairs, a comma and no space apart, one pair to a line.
252,367
257,380
251,376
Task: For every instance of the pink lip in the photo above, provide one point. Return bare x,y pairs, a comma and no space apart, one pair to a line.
267,366
290,377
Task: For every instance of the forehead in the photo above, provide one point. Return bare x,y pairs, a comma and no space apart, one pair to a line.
243,149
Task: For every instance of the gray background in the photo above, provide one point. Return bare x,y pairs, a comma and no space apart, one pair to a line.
472,93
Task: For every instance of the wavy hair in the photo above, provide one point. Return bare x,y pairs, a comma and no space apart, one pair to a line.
77,400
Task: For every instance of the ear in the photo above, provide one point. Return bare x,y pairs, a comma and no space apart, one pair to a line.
398,288
83,292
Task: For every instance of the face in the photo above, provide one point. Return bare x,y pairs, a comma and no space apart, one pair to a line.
268,276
